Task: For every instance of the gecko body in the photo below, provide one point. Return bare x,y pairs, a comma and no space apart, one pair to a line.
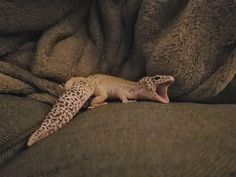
102,87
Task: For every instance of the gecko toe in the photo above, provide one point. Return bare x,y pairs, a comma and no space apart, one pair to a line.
129,101
97,105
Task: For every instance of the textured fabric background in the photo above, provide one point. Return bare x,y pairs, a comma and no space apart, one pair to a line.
193,40
135,140
23,15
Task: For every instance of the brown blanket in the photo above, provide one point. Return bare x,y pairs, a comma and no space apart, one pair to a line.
46,42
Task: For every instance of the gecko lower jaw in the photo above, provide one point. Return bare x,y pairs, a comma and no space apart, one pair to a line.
162,90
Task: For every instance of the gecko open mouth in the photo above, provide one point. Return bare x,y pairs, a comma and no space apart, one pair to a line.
162,90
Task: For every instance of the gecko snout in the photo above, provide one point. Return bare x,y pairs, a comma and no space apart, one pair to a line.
166,80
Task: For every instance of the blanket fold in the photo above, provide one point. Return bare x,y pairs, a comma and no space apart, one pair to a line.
193,40
24,75
11,85
196,48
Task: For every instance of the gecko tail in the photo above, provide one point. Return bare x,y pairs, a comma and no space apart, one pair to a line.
47,127
66,107
32,139
35,137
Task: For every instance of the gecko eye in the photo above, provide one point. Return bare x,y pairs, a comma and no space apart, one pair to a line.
157,77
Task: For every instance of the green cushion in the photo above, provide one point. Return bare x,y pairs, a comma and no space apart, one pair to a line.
141,139
18,118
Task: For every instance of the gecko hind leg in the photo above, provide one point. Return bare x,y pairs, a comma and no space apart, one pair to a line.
99,99
97,105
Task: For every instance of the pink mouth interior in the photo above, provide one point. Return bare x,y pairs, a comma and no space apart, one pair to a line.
162,92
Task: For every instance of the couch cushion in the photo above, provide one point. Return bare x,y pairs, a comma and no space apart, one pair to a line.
140,139
18,117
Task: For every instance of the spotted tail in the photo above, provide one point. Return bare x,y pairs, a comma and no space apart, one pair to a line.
66,107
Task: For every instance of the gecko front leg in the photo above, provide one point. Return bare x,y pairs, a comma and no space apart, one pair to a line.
129,101
124,98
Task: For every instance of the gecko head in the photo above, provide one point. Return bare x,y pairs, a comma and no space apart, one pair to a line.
157,87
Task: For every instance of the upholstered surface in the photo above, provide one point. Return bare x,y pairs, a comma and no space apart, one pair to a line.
18,118
140,139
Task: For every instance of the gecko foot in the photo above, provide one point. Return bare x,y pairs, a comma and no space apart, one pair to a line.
129,101
96,105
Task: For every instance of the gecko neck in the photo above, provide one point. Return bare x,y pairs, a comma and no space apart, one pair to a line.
137,90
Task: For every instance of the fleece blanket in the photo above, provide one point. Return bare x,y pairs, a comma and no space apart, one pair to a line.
44,43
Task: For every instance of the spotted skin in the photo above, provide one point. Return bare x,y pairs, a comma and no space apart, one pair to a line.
63,111
80,89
